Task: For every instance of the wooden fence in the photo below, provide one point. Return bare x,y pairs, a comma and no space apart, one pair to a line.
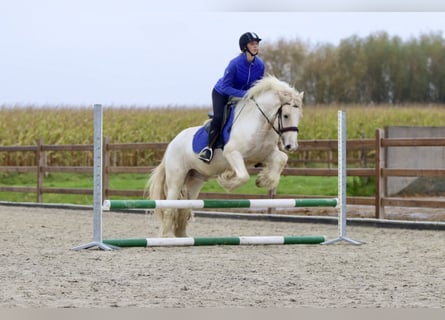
367,167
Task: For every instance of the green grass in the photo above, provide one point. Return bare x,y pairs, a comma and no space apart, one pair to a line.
289,185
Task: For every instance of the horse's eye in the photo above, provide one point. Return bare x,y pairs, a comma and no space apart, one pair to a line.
285,116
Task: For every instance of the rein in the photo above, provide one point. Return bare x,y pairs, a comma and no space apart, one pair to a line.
278,115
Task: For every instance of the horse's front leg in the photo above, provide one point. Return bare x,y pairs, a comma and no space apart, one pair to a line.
237,175
274,164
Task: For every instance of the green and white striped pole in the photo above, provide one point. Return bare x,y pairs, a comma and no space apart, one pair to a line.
218,203
211,241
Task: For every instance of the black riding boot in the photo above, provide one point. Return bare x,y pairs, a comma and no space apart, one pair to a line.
206,154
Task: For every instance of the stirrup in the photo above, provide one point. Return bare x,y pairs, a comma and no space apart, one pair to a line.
206,154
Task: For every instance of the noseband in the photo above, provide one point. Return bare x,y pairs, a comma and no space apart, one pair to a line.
278,115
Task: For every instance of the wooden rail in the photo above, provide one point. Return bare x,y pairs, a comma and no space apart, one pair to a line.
382,172
378,169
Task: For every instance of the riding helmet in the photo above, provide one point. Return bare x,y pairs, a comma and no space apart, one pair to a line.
246,38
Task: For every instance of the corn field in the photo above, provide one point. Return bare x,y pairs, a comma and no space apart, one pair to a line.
26,125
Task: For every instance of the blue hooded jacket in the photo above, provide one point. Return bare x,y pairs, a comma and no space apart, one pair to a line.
239,76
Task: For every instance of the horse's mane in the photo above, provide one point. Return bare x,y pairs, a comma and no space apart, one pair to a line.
268,83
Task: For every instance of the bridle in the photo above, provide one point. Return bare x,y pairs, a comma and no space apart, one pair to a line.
280,130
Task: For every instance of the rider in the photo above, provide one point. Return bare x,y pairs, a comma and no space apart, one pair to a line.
238,77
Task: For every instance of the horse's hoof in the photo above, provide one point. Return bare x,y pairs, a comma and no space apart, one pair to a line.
262,182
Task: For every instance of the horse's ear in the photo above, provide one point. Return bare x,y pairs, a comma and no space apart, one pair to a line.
284,96
301,95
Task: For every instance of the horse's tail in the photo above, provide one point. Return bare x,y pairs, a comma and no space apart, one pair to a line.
175,222
155,188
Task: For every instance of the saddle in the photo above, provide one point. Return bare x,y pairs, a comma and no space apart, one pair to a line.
200,139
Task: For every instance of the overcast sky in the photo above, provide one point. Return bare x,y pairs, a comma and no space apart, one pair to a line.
136,52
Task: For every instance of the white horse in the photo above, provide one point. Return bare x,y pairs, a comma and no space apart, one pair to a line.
265,122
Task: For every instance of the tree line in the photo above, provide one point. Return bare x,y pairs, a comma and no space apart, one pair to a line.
372,70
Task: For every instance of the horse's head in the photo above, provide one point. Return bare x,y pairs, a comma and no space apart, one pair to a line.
288,117
281,106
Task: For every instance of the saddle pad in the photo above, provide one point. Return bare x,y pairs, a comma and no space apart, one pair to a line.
200,139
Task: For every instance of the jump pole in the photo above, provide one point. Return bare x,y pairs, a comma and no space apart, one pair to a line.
218,203
211,241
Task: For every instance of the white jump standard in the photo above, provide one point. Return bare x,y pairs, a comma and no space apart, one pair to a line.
97,191
342,182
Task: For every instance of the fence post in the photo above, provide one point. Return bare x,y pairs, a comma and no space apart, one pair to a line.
330,158
40,161
379,179
272,192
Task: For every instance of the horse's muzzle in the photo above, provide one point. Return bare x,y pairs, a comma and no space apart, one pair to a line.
289,147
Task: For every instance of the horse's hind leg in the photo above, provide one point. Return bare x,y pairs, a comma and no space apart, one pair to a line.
269,176
167,222
192,187
169,219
